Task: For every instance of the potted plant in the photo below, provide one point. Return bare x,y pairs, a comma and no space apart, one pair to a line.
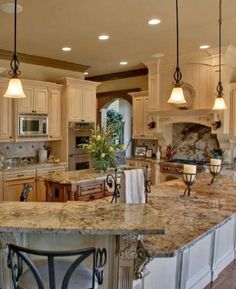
101,148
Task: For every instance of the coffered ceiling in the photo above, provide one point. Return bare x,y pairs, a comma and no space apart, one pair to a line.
45,26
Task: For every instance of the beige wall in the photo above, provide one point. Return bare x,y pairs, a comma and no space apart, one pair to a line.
124,83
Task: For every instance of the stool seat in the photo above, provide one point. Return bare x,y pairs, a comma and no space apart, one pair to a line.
80,279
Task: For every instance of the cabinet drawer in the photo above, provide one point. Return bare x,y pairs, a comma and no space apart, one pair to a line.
91,188
132,163
145,164
91,197
19,175
49,171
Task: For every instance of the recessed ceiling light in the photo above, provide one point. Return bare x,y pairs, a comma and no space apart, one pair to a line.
158,55
205,46
103,37
123,62
154,21
86,73
10,8
66,49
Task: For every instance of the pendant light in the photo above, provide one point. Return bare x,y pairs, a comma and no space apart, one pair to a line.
14,89
177,95
219,101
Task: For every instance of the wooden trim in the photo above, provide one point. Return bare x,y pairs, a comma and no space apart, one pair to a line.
44,61
117,93
119,75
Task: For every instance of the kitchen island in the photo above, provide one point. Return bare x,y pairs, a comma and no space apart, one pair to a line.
183,242
83,185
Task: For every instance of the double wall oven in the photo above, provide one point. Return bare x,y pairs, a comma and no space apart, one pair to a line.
79,134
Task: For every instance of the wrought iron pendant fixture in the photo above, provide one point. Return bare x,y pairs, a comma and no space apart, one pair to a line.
177,95
14,89
219,101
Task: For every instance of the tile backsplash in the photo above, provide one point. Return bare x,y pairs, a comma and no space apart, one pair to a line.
193,141
21,150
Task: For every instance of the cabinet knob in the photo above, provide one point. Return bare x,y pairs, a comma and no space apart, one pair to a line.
33,111
50,136
10,137
82,120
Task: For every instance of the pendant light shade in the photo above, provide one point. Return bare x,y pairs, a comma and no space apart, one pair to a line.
177,95
219,101
14,89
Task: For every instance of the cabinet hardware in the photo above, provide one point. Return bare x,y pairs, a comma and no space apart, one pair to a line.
51,172
10,137
82,120
20,175
92,197
34,111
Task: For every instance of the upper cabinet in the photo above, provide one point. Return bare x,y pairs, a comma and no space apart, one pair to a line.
54,114
79,96
141,115
36,100
6,124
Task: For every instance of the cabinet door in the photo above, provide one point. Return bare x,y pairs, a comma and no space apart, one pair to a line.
75,103
147,118
89,104
13,189
26,105
1,188
40,100
138,117
6,124
54,114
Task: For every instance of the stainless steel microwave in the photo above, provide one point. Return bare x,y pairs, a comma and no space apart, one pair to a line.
33,125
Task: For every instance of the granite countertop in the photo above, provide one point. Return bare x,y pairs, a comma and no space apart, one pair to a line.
135,158
76,177
100,218
24,166
189,219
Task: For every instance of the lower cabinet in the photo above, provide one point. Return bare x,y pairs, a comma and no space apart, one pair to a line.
13,189
12,183
86,191
153,169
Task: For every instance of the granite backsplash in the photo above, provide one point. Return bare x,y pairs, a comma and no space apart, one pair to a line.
193,141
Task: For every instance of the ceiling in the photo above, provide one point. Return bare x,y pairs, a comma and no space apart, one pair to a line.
45,26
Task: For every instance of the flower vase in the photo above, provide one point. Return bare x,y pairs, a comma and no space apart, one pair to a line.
100,166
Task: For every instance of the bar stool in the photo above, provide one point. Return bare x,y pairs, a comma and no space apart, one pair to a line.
55,274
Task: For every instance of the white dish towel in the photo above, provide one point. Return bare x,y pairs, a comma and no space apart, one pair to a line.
132,187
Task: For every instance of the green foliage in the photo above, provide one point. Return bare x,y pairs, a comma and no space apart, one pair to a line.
115,119
101,148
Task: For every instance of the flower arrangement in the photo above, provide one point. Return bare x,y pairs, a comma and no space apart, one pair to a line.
101,148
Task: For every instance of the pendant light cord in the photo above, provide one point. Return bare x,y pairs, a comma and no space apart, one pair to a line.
177,74
14,64
219,86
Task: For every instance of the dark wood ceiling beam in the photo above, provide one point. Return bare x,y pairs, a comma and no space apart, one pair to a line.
119,75
117,93
44,61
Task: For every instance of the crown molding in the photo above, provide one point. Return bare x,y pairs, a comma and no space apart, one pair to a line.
44,61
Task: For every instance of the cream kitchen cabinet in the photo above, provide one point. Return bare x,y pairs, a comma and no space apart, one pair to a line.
141,116
6,114
82,103
13,184
54,114
152,168
41,173
79,99
36,100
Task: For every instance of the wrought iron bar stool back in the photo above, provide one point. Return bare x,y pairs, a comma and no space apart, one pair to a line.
54,272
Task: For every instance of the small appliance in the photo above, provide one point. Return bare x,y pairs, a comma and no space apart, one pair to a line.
32,125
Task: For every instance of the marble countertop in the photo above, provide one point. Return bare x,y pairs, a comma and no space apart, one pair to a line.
100,218
190,219
135,158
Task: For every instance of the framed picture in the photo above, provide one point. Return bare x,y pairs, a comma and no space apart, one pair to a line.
140,151
149,153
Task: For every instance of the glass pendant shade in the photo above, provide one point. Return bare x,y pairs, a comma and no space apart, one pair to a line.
177,96
219,104
14,89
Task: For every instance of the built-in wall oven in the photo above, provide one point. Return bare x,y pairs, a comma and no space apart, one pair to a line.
79,134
